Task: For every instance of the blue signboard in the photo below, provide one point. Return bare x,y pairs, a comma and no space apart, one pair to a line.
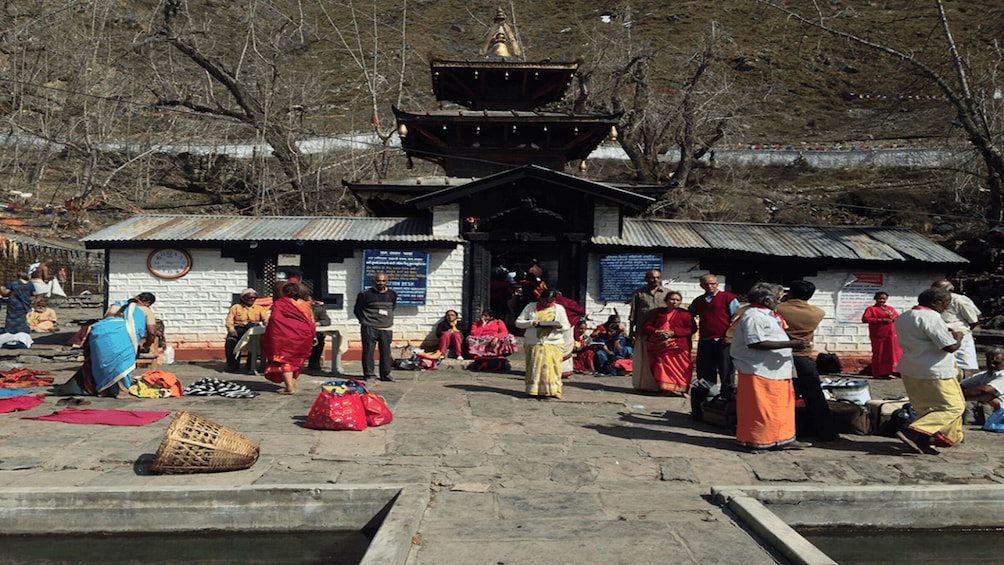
621,274
407,272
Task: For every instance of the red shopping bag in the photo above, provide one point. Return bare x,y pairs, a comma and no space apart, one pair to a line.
377,412
333,412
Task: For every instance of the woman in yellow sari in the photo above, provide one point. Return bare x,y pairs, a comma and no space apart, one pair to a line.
546,323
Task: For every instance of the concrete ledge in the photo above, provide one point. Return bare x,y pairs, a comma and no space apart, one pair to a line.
774,512
394,510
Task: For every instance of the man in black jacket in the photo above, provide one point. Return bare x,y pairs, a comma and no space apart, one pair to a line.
375,311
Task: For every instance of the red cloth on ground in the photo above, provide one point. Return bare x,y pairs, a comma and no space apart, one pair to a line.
24,378
103,417
19,403
289,337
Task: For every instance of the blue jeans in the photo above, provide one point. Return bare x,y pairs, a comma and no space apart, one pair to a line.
372,337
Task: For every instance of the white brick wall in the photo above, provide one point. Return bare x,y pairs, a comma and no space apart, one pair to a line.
606,221
841,338
446,220
194,307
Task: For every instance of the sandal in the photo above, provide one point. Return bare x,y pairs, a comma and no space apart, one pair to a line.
72,402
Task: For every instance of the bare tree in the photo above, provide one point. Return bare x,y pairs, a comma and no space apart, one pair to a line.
252,100
691,116
978,109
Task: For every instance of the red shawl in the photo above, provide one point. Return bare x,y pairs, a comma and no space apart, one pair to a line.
289,335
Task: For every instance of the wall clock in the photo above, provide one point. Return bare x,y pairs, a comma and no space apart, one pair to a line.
169,263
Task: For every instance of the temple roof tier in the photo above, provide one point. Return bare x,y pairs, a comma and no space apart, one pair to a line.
471,143
496,85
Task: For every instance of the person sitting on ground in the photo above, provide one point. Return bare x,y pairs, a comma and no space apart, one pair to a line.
42,318
987,387
600,332
289,336
450,335
610,348
242,317
490,338
583,351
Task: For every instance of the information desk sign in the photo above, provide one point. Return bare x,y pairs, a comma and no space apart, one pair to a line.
407,272
621,274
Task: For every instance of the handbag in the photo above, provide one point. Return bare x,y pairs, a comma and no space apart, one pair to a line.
332,411
850,418
377,412
995,422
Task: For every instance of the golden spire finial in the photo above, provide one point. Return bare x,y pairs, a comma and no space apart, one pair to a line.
501,40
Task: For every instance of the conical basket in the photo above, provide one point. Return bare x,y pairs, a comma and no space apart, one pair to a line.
193,444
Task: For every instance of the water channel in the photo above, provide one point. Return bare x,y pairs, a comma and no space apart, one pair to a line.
849,546
340,547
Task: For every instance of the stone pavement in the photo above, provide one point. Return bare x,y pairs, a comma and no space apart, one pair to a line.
603,476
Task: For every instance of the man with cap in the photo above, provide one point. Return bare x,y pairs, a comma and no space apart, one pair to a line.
240,319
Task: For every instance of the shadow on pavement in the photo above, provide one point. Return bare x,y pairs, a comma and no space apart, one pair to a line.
483,388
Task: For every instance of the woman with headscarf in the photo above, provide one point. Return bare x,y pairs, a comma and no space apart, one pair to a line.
546,325
289,336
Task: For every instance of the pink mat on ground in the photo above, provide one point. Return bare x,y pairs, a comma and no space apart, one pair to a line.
103,417
19,403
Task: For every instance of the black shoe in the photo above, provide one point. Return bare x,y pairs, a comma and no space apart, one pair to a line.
314,367
388,379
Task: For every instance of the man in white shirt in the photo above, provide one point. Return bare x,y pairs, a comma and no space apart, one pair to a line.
962,315
928,371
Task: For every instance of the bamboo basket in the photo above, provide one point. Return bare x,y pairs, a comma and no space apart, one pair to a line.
193,444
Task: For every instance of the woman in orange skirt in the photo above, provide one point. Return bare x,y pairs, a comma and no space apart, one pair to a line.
765,398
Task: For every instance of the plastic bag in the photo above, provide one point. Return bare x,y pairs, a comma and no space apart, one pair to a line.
995,422
336,412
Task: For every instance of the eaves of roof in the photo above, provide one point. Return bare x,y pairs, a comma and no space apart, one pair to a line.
161,228
854,243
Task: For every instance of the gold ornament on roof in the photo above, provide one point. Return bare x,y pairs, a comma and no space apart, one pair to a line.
501,42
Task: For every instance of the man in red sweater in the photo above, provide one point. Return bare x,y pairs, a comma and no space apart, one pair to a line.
714,310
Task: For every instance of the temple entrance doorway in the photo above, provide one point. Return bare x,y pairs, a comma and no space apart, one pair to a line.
498,268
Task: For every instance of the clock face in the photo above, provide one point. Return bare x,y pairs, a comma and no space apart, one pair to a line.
169,263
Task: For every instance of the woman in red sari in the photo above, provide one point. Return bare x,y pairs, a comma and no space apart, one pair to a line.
882,332
289,336
668,332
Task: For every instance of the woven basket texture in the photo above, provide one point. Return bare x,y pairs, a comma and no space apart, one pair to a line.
194,444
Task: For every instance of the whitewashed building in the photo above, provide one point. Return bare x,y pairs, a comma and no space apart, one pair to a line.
580,232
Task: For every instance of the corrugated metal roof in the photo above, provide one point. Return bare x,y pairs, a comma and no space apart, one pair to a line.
778,240
160,227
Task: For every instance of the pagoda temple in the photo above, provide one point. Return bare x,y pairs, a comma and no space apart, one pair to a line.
455,242
499,124
505,186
